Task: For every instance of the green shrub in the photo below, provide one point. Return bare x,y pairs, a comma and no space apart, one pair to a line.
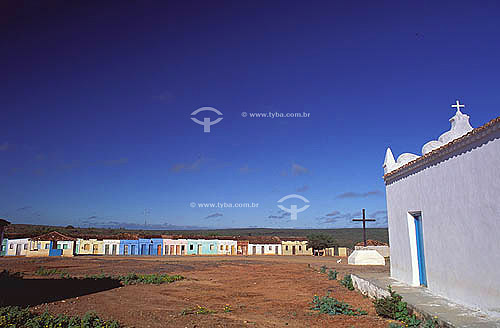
332,275
393,307
14,316
347,282
323,269
332,306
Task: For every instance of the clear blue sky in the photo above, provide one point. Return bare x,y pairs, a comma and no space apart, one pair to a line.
96,100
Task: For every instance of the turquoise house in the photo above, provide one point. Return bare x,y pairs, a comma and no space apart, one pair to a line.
3,247
201,247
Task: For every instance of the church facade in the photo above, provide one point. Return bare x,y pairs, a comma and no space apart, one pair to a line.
443,212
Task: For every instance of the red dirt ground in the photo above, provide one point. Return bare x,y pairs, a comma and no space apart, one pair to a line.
265,291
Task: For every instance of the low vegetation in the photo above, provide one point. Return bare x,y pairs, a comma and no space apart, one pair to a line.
134,278
14,316
393,307
347,282
332,274
197,310
41,271
332,306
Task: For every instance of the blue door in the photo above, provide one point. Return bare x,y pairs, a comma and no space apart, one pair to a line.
420,251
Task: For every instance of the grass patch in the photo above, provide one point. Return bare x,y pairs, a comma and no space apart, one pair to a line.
134,278
14,316
41,271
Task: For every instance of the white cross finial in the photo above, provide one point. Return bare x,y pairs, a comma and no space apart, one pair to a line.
457,106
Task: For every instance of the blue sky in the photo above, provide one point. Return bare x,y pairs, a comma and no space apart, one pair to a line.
96,101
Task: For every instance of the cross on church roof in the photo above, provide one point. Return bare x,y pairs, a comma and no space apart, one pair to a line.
457,106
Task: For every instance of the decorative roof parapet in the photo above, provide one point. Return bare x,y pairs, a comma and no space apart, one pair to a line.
460,126
466,139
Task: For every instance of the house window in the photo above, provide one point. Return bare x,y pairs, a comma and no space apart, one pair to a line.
221,247
47,246
300,248
191,247
86,247
11,246
59,246
270,248
286,247
25,246
227,247
211,247
65,246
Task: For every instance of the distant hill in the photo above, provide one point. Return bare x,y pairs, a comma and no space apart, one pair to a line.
347,237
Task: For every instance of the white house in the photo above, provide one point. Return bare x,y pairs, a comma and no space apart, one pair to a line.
227,247
17,247
443,210
111,246
262,245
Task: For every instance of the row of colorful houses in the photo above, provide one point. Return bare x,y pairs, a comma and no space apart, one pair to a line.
57,244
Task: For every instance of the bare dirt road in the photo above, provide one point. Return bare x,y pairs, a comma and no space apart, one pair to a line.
262,291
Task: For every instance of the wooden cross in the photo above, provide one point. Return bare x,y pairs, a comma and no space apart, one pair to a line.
364,220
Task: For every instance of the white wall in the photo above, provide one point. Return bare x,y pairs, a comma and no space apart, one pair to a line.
459,198
15,243
267,251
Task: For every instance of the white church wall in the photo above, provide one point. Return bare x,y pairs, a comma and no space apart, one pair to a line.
459,199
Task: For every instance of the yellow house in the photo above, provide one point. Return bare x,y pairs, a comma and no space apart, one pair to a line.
295,246
89,247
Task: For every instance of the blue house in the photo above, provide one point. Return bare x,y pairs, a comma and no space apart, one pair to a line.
151,246
202,247
129,247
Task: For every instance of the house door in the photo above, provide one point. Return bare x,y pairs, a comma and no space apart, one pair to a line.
158,250
114,249
150,250
293,250
132,250
125,249
95,249
18,249
106,249
420,250
199,249
276,250
254,250
172,250
177,251
262,250
232,249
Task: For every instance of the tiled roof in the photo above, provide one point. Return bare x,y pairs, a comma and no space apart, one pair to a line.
465,139
370,242
53,236
3,223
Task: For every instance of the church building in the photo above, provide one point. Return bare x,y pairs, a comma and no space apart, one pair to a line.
443,210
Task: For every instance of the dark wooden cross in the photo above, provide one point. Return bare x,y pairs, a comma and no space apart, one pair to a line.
364,220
